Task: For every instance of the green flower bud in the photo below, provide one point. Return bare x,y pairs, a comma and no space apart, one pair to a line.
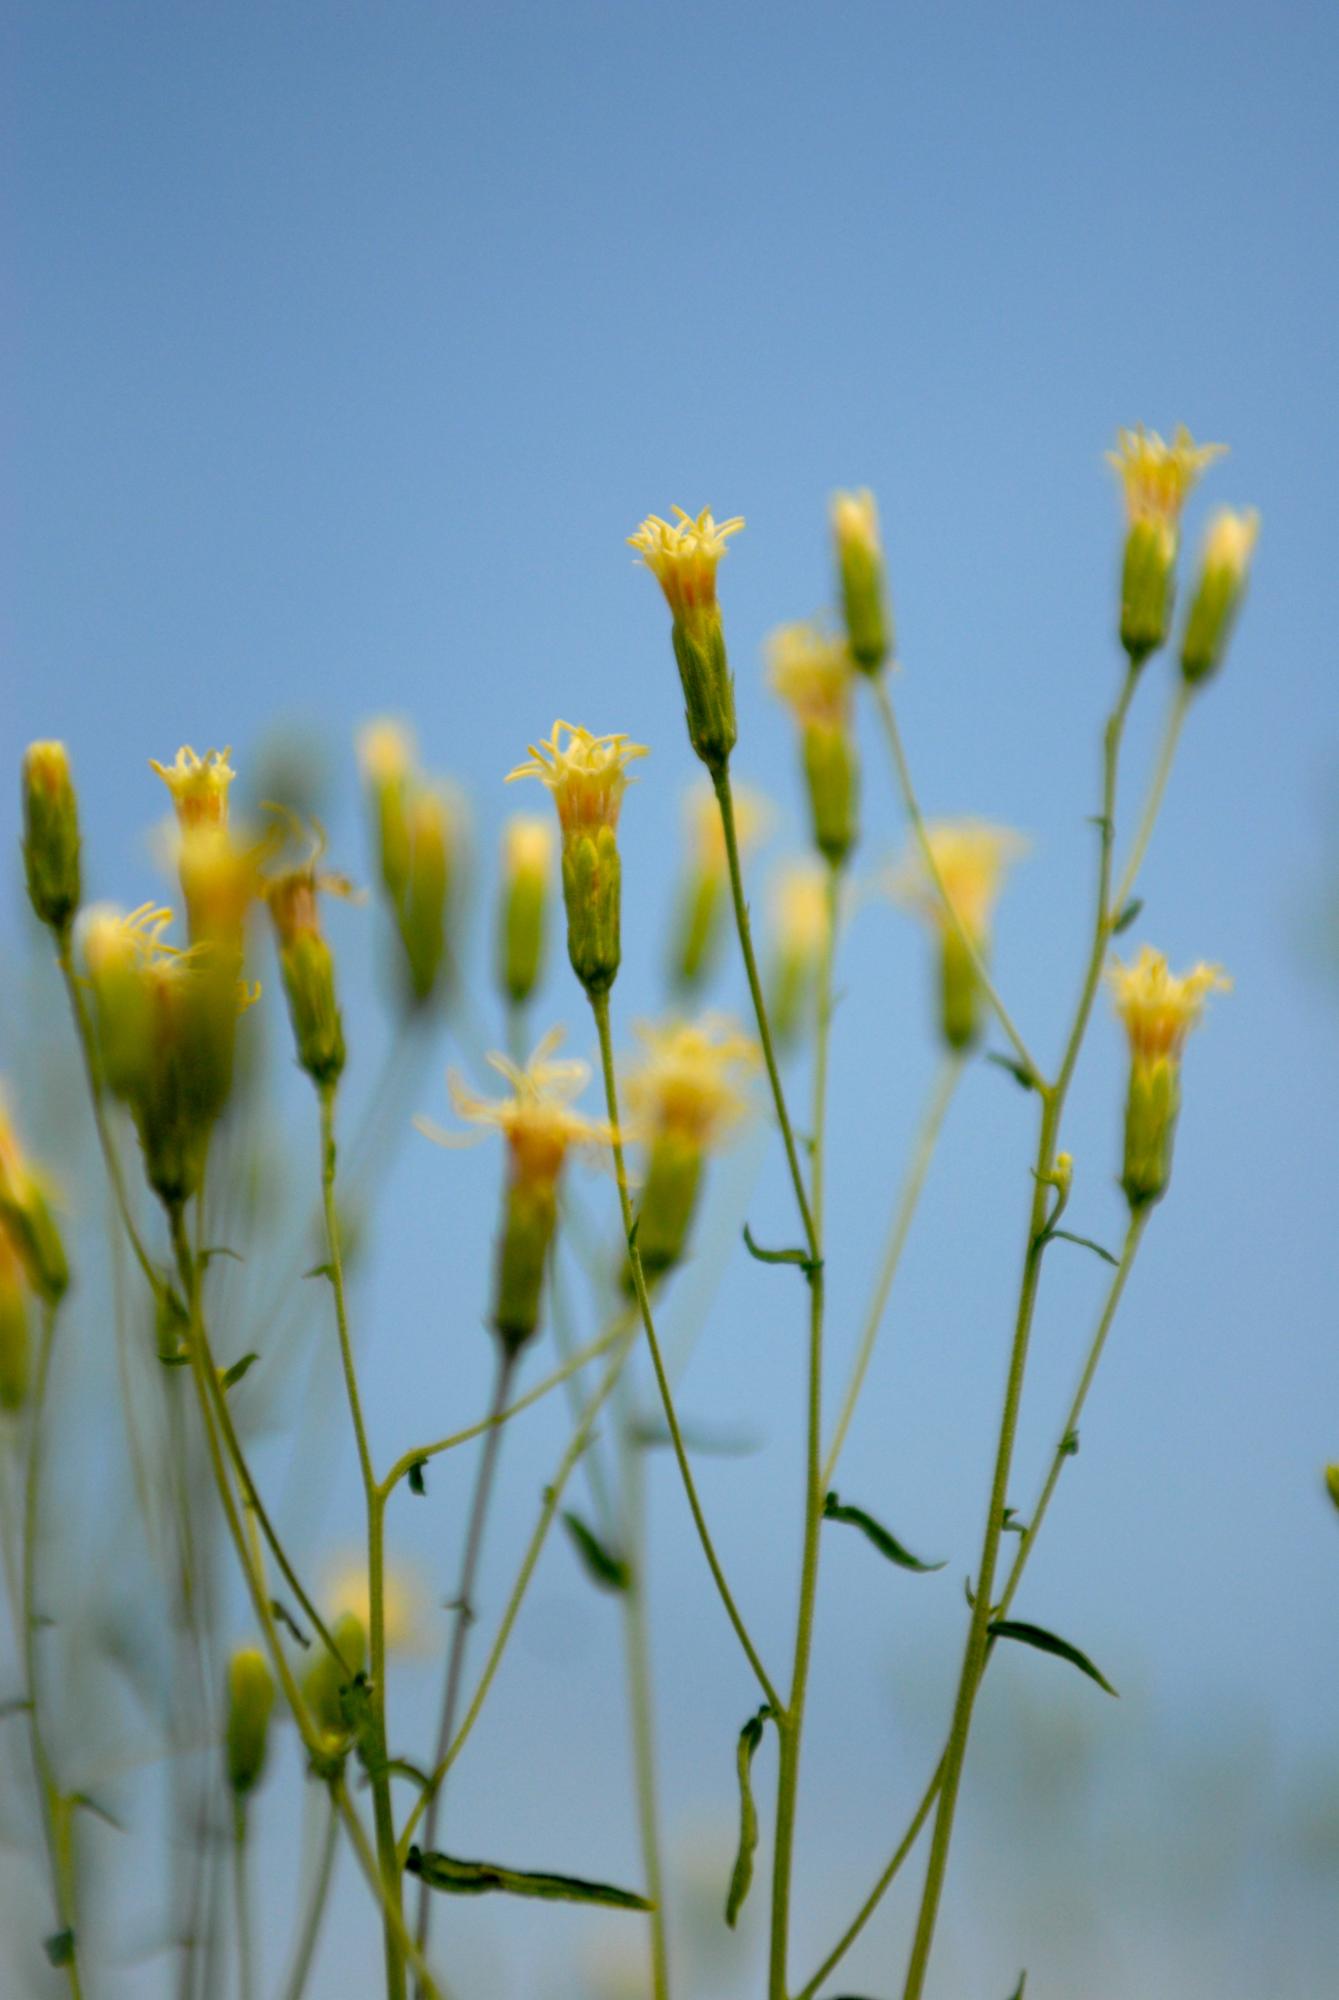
1148,583
592,894
308,968
708,688
684,558
1332,1483
50,834
529,1216
959,992
250,1701
27,1221
527,867
1159,1009
668,1203
862,580
325,1684
1152,1103
1224,569
14,1328
832,775
696,926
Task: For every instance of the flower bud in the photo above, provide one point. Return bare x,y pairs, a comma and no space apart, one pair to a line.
386,753
50,834
862,579
27,1220
683,558
14,1330
250,1700
587,776
700,902
970,860
308,968
799,930
684,1095
1158,1010
1156,478
810,670
527,868
1224,568
325,1682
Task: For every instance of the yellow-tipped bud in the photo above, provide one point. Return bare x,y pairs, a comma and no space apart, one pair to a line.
683,556
1158,1009
250,1701
50,834
540,1128
810,669
387,756
799,926
416,830
971,859
199,786
527,874
1224,569
587,776
14,1328
862,579
26,1215
326,1683
685,1097
308,966
1156,478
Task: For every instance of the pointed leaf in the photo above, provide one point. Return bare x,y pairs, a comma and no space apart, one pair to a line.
800,1257
716,1441
289,1623
321,1271
220,1250
1084,1243
417,1484
886,1543
239,1368
1022,1077
1047,1642
59,1948
750,1736
1127,915
605,1569
98,1811
1021,1987
481,1878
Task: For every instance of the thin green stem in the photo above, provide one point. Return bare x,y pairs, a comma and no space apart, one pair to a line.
1162,771
241,1899
1063,1452
463,1608
1053,1101
305,1954
641,1706
899,1228
368,1862
600,1008
790,1720
725,799
55,1808
888,716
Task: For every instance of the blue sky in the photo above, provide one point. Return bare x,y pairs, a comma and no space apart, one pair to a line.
346,346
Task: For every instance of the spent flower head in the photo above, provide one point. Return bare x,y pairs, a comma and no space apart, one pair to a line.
536,1118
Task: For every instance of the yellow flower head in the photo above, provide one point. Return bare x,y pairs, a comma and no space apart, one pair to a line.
702,821
855,521
1229,542
527,848
46,768
199,786
586,774
687,1081
800,909
1159,1007
683,557
386,752
536,1120
403,1602
971,858
1157,476
115,941
810,669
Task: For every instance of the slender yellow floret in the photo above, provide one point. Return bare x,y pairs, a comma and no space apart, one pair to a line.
811,670
1158,1009
50,834
700,903
683,557
971,859
1156,478
199,786
862,579
587,777
527,872
1224,570
26,1216
685,1094
540,1127
307,963
799,928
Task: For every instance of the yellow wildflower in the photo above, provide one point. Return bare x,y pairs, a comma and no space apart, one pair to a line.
403,1602
26,1216
586,774
386,750
683,556
970,858
1157,477
199,786
1224,567
862,579
1158,1009
812,671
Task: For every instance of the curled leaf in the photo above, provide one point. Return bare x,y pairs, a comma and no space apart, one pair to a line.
481,1878
604,1568
1048,1642
887,1544
750,1736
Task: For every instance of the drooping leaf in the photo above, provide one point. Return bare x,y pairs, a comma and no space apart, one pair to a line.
220,1250
887,1544
713,1441
604,1568
1048,1642
750,1736
59,1948
800,1257
1084,1243
289,1623
417,1483
1021,1075
321,1271
91,1805
481,1878
239,1368
1011,1524
1127,915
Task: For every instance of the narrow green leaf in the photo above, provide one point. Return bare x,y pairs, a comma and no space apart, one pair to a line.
402,1768
1127,915
417,1484
220,1250
1047,1642
228,1376
750,1736
1011,1524
714,1441
605,1569
1069,1444
481,1878
1021,1987
1084,1243
800,1257
59,1948
289,1623
91,1805
886,1543
175,1360
321,1271
1022,1076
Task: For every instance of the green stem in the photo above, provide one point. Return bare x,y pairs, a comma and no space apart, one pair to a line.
54,1808
600,1008
382,1814
241,1896
899,1228
1053,1101
305,1954
464,1617
1062,1453
637,1646
790,1720
725,799
1162,771
888,715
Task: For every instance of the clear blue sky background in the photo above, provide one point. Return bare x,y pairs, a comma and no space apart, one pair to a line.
345,346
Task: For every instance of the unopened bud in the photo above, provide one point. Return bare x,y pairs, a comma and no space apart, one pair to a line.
960,995
26,1217
862,579
14,1330
308,969
529,1216
423,905
799,932
326,1683
1224,569
250,1700
668,1202
832,775
386,753
50,834
1148,583
1332,1483
1152,1103
527,869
